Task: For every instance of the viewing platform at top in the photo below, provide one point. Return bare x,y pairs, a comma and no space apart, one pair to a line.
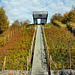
42,15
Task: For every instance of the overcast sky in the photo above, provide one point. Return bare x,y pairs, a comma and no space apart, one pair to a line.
22,9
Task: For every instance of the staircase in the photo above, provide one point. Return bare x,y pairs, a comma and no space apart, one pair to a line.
39,66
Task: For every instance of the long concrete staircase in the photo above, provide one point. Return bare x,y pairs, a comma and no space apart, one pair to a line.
39,66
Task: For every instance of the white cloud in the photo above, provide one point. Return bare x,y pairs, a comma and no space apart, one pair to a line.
22,9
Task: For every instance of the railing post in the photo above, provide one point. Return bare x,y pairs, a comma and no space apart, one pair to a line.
27,63
29,57
4,40
8,36
11,34
54,64
4,64
50,62
32,42
15,29
70,61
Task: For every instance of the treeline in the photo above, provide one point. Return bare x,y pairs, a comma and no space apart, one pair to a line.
66,18
4,23
20,24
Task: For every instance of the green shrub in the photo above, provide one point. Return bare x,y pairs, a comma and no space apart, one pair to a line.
56,22
71,26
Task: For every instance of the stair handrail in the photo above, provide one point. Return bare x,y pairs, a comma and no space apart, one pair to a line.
46,48
29,57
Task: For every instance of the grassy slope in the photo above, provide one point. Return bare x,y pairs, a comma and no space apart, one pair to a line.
5,33
61,43
16,50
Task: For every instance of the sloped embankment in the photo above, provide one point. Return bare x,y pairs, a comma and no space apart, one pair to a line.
16,50
61,45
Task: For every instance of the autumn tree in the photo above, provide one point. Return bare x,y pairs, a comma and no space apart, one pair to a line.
66,18
71,15
16,23
57,16
4,23
25,23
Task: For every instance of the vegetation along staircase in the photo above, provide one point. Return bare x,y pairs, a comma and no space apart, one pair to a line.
39,66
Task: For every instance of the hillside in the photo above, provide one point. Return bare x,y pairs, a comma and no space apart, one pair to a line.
61,46
12,29
16,50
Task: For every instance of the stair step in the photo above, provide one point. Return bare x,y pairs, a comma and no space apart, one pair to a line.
39,66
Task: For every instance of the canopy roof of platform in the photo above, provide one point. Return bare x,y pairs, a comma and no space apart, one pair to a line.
40,14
